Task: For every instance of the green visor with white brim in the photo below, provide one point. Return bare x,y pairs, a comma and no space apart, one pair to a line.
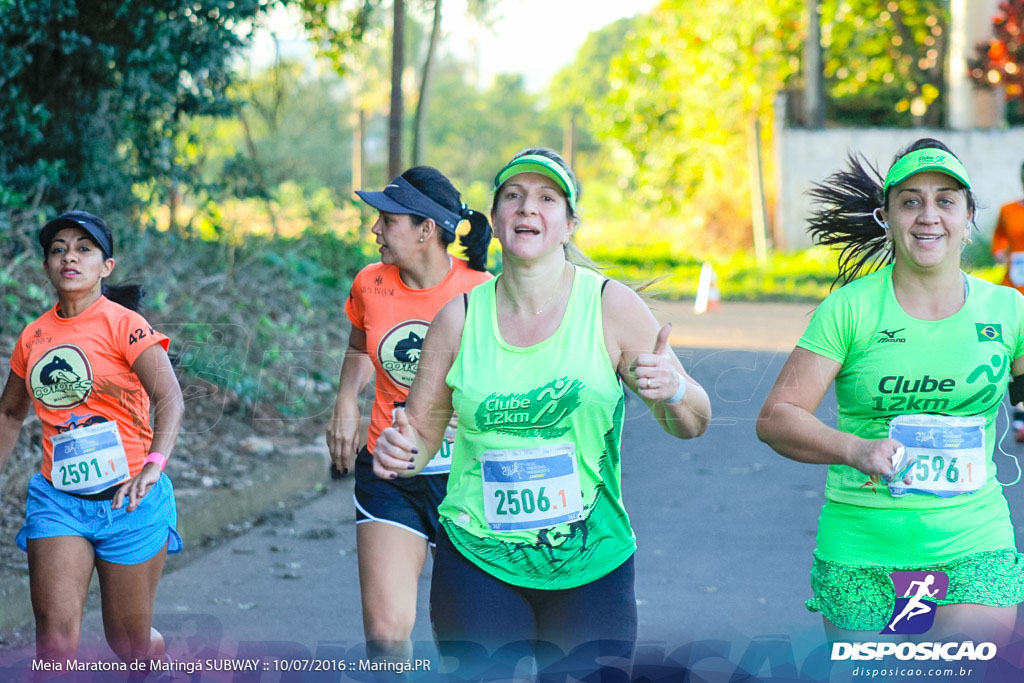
928,159
536,163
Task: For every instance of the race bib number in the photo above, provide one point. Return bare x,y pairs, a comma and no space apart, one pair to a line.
1017,268
441,463
88,460
531,488
949,454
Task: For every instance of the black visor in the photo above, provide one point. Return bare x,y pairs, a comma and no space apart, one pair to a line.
401,197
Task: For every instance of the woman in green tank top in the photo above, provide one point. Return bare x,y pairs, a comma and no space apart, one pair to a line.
914,540
536,544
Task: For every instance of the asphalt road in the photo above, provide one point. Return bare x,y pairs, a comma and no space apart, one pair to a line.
725,530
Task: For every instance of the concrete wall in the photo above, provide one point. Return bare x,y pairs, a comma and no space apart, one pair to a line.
993,158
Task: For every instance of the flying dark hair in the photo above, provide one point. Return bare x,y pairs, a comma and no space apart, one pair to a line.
844,216
436,185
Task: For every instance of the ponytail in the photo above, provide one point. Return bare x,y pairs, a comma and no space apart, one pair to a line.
127,295
436,186
476,242
844,219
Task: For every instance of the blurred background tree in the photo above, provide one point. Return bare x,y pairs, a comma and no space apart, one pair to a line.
96,93
884,61
152,107
1000,61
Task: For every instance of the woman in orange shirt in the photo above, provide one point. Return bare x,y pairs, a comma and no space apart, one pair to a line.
391,306
90,367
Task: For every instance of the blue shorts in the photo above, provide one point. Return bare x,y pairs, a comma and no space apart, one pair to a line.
409,503
117,536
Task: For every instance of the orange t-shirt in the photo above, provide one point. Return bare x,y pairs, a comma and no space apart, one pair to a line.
395,319
1009,236
78,372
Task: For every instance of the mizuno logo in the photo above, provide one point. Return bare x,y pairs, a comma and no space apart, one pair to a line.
892,334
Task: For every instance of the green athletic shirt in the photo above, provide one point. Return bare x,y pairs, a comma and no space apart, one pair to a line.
894,364
561,391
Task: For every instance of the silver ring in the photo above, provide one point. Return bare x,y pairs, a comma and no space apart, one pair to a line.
647,383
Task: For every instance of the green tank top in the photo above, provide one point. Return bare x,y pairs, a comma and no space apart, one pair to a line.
534,495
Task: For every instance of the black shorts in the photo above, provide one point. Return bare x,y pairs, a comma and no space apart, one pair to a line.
409,504
487,625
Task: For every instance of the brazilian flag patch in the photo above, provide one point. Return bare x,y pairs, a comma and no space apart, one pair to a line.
989,331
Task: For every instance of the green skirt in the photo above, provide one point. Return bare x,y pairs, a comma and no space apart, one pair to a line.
861,597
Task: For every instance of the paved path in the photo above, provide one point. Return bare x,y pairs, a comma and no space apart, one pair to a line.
735,325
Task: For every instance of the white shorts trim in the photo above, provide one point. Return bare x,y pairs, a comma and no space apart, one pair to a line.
371,518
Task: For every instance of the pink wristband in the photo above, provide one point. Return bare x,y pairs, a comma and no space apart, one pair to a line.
159,458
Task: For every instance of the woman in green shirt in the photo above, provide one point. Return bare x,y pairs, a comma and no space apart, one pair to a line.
921,355
535,542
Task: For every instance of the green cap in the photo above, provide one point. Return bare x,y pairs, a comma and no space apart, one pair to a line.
928,159
537,163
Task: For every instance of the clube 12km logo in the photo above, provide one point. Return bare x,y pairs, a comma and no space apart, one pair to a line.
913,613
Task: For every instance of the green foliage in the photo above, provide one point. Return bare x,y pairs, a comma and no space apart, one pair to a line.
94,93
461,138
796,276
582,88
884,60
301,130
338,27
680,95
253,317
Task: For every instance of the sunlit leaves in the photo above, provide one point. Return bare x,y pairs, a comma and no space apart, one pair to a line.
884,61
682,92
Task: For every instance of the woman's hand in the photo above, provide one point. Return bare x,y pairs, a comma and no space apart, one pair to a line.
656,376
344,428
874,457
395,449
343,435
137,487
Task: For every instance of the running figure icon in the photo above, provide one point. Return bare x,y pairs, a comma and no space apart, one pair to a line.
915,605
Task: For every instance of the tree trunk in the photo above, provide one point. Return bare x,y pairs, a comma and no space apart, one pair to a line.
814,86
419,132
358,174
395,115
261,182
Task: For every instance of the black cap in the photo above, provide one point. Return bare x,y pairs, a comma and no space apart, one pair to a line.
94,225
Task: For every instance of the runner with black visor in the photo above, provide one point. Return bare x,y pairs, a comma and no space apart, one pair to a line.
391,306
